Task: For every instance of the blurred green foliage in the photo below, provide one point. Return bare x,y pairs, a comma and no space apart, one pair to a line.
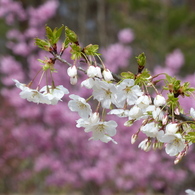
159,28
3,29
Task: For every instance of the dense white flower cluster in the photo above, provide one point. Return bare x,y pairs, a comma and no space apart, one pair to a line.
127,96
123,99
131,102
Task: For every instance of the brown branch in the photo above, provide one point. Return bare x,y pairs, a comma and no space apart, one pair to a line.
183,117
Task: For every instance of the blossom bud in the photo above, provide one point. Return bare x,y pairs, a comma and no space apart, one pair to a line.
134,138
73,80
159,100
155,145
145,145
107,75
98,72
72,71
93,71
165,119
179,157
128,123
177,112
141,59
192,113
172,128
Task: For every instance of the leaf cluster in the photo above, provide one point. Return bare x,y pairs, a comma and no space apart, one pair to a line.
174,86
71,39
52,36
190,137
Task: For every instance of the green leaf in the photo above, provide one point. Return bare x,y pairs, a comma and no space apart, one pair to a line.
141,59
53,36
143,78
91,49
172,101
58,32
127,75
190,137
66,43
186,90
71,35
49,33
75,51
175,86
43,44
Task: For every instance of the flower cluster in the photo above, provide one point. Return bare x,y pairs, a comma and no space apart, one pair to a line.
127,96
47,134
46,95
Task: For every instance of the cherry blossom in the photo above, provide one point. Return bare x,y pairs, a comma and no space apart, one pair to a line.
107,75
105,93
159,100
79,104
100,129
54,94
127,91
150,129
174,142
190,192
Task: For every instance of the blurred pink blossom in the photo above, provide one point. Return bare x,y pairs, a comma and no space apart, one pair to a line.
174,60
126,36
116,56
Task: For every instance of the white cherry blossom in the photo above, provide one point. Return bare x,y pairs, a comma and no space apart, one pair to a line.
105,139
35,96
145,145
172,128
119,112
192,113
158,114
19,85
143,101
79,104
190,192
174,142
72,71
88,83
150,129
94,71
159,100
135,113
54,94
105,93
31,95
107,75
129,92
73,80
85,122
102,128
